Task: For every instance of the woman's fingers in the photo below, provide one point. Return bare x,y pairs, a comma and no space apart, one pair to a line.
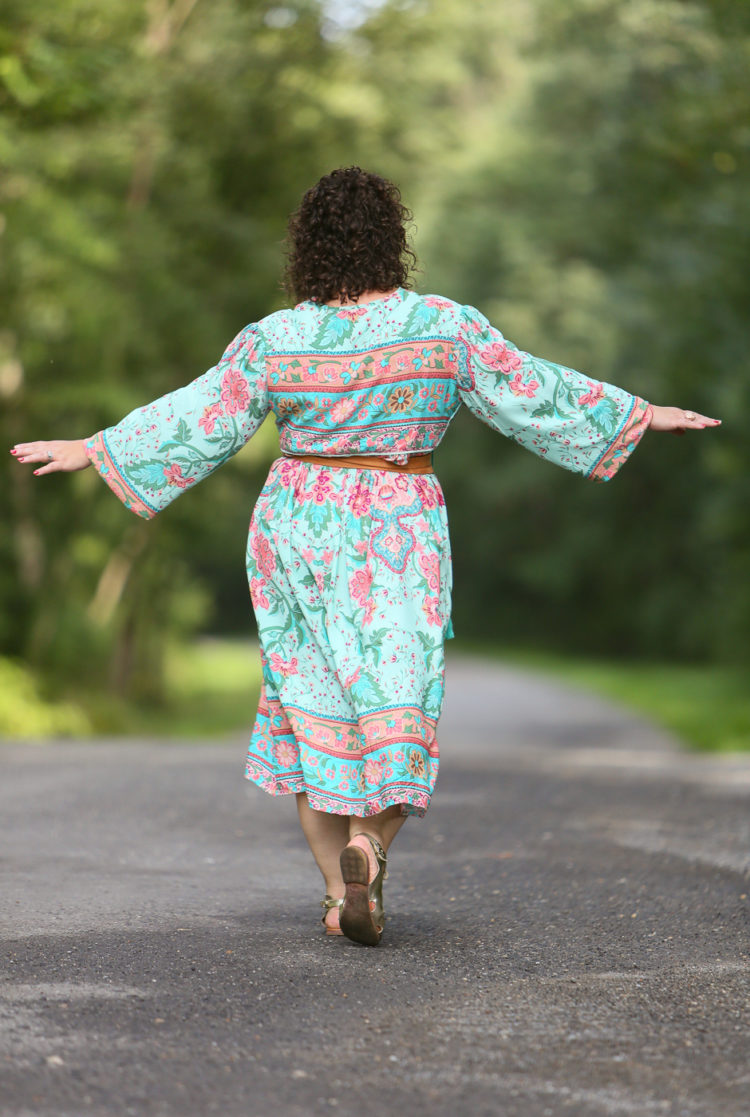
23,451
55,457
692,420
33,452
30,452
50,467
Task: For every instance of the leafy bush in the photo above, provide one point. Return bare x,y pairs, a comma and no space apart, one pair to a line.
25,713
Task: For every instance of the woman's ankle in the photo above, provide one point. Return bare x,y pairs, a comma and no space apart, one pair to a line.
362,842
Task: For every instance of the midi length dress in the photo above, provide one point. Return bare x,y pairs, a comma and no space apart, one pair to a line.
350,569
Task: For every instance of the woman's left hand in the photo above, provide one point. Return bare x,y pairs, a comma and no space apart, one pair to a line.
678,420
58,457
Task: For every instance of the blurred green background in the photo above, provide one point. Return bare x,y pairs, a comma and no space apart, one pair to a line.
578,169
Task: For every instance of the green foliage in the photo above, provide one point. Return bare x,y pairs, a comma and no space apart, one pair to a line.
142,222
26,714
620,225
210,688
578,170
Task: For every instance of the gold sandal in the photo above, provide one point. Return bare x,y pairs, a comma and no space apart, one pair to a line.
328,905
362,916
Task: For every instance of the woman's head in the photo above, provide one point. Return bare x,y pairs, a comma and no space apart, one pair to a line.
348,236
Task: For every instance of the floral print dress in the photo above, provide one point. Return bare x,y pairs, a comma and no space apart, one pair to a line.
350,569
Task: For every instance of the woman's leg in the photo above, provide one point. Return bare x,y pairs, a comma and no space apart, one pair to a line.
363,869
383,826
326,835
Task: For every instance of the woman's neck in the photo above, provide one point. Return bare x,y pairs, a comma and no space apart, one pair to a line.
365,297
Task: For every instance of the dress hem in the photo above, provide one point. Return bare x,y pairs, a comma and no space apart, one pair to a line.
628,435
294,784
105,464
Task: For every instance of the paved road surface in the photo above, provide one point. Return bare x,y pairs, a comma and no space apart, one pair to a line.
568,930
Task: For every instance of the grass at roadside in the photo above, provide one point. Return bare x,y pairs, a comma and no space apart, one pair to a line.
707,706
211,689
213,686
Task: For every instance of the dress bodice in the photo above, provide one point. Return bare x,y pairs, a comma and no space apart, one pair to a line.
384,378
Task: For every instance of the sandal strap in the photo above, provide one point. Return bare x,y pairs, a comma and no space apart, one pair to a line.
377,848
328,904
378,851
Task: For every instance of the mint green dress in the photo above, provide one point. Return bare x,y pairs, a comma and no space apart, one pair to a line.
349,569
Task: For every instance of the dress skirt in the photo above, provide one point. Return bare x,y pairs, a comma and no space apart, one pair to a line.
350,579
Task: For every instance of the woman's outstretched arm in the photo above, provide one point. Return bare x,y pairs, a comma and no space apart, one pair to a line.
165,447
577,422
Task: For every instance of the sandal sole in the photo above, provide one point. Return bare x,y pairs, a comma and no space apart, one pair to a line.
356,918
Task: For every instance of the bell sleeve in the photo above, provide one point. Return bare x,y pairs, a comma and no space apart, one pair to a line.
578,423
158,451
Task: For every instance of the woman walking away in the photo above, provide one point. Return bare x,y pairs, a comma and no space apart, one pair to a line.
348,555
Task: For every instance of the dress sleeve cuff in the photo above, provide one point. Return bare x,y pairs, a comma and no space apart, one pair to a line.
625,441
105,465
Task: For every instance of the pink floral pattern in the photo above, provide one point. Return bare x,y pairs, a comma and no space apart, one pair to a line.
173,476
360,584
208,419
497,355
234,393
264,555
285,752
591,397
521,387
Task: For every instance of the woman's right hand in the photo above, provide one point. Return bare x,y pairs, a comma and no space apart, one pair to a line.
58,456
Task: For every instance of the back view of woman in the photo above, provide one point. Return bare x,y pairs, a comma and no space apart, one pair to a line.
348,555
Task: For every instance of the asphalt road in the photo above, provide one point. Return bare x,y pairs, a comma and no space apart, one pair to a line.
568,930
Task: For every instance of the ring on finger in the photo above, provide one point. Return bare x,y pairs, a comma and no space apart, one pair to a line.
689,415
50,455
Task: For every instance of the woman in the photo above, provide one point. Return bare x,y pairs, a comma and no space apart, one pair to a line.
348,554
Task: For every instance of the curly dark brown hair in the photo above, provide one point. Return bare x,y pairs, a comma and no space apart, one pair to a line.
348,236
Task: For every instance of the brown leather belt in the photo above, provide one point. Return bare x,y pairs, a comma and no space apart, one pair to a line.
417,463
